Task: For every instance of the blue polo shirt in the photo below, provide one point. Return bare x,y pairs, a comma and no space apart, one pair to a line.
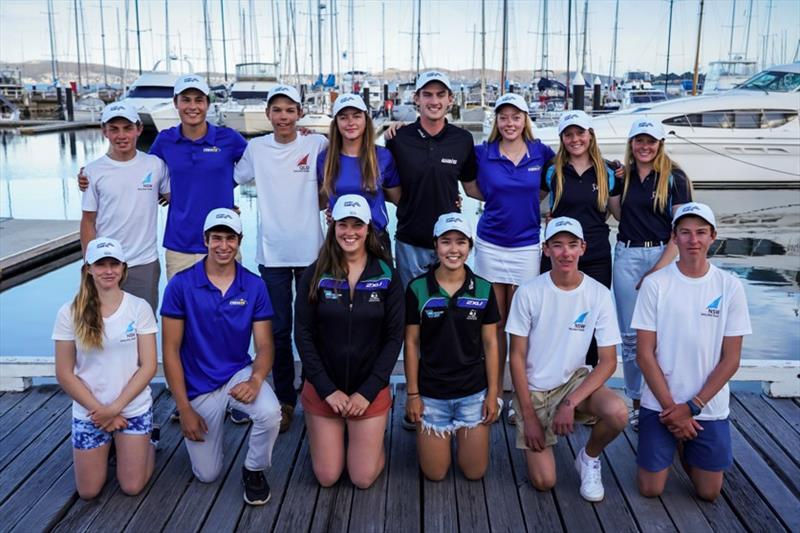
349,181
217,328
511,215
201,179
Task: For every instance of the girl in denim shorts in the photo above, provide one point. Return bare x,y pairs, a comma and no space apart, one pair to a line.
451,356
105,344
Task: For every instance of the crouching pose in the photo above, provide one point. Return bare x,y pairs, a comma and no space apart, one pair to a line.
552,320
690,318
105,358
349,329
451,356
210,310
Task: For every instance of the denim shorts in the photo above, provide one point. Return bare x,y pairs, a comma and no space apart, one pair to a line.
444,417
710,450
87,436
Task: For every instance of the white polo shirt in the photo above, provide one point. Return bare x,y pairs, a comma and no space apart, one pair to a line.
691,316
289,232
124,194
107,371
560,325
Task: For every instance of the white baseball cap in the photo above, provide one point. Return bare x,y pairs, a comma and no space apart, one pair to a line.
284,90
697,209
560,224
352,205
451,222
645,126
433,75
191,81
104,247
121,109
223,216
574,118
349,100
511,99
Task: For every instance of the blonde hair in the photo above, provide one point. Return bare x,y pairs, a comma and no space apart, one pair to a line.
367,158
663,167
600,171
527,132
86,316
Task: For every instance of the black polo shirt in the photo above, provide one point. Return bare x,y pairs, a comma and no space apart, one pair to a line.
640,222
430,167
579,201
452,362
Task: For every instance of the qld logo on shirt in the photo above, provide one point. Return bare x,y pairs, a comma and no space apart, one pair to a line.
712,309
580,322
302,164
130,332
147,183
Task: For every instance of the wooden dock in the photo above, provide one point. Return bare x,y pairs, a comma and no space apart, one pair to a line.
58,125
37,493
30,248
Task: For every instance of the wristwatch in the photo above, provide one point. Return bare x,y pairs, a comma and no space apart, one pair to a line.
693,408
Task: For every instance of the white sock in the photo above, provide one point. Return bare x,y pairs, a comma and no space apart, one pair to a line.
586,458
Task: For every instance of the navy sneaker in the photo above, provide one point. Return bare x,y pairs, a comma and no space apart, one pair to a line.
256,488
239,417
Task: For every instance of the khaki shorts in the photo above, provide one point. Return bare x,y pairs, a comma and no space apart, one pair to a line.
178,261
545,403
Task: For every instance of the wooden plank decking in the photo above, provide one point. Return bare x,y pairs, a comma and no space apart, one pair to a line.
37,490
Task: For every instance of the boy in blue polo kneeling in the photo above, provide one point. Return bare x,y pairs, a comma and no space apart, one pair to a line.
210,310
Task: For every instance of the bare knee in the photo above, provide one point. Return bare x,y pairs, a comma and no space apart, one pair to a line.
327,476
542,481
472,470
708,494
89,493
619,418
363,480
435,472
132,487
649,486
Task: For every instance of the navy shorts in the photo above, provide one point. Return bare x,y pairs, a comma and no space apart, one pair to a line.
710,450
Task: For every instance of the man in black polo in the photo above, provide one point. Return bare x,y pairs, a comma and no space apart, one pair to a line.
432,156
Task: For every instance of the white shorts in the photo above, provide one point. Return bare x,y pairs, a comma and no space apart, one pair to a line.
513,266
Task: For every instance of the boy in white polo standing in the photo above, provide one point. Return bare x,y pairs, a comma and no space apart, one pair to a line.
552,321
121,201
690,319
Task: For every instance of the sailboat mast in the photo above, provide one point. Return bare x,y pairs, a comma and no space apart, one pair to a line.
733,20
747,33
207,40
669,43
483,53
224,41
697,50
419,32
767,36
167,55
319,37
53,64
569,46
351,21
503,57
585,32
78,42
138,35
103,41
612,72
383,40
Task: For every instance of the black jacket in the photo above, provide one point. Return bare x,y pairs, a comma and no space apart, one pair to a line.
347,345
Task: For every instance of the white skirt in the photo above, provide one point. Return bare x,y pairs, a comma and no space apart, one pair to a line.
513,266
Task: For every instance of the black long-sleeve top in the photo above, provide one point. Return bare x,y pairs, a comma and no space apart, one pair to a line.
350,345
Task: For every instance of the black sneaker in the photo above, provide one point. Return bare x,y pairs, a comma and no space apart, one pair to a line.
408,424
155,435
238,417
175,416
256,488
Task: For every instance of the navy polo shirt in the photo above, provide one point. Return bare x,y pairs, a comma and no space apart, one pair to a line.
639,221
452,362
579,201
201,179
511,215
217,327
430,168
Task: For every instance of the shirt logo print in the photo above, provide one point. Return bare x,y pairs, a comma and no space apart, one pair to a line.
712,309
302,164
373,297
449,161
130,332
147,183
580,322
472,315
239,302
212,149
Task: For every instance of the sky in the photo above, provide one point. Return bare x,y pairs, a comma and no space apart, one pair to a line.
381,33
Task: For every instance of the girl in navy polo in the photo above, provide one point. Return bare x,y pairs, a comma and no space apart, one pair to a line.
348,329
353,164
580,185
451,356
654,188
507,249
105,343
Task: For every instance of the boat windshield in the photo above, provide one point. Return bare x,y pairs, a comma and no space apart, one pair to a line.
773,80
644,98
150,91
249,95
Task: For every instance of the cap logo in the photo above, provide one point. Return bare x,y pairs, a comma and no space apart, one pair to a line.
689,208
280,88
351,203
453,219
433,74
563,223
117,108
346,99
189,79
224,215
571,116
645,125
105,245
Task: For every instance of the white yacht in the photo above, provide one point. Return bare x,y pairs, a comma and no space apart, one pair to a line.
745,138
150,92
727,74
245,111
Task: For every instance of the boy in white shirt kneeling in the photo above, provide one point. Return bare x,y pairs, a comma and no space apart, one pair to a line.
690,318
552,321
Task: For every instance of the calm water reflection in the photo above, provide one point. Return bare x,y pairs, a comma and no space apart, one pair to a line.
37,181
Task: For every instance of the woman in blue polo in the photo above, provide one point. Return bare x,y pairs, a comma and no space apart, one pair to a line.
507,249
581,185
349,330
353,164
451,356
654,188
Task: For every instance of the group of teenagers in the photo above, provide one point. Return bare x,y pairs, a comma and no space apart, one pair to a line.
350,303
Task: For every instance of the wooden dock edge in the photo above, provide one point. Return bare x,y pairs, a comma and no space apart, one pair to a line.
780,378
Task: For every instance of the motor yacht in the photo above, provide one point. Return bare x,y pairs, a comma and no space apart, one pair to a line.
727,74
150,92
245,110
745,138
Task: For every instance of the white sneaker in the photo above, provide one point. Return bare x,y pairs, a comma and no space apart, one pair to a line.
591,478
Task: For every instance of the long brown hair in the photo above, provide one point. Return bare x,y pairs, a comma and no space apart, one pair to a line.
332,261
527,131
599,164
663,167
367,158
86,316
